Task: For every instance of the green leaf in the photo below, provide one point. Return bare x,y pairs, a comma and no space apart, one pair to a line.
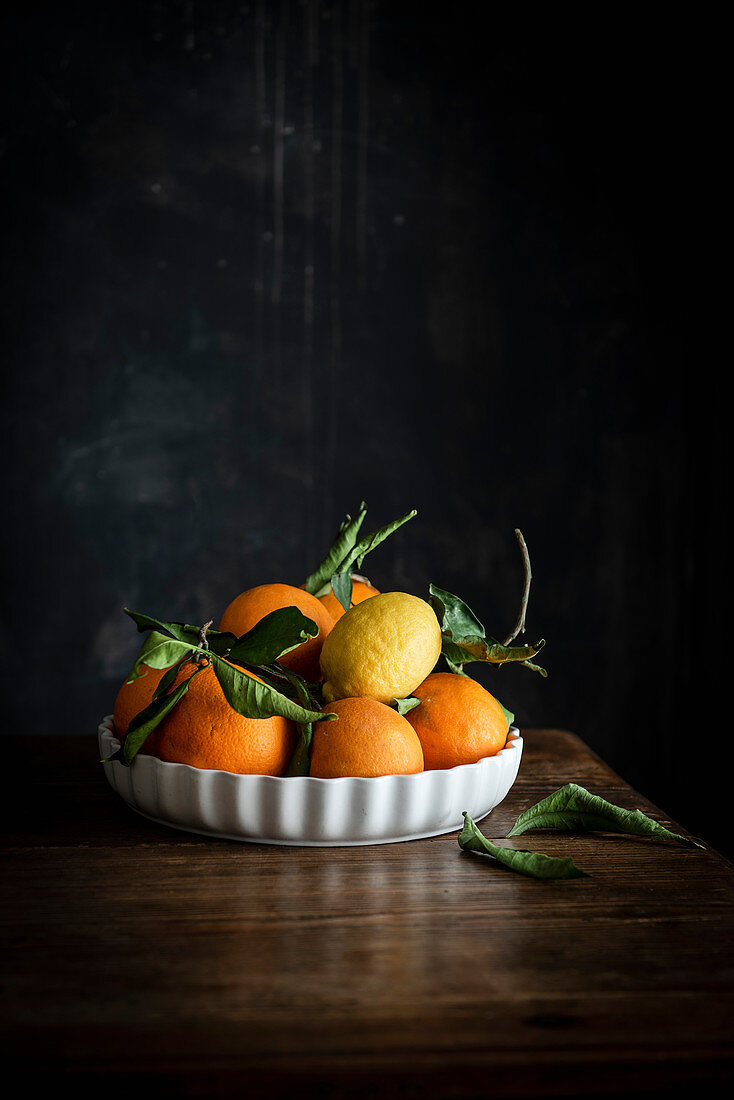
534,864
248,696
341,586
365,545
574,808
300,762
317,583
150,718
536,668
219,641
254,699
347,554
166,682
456,669
465,639
486,649
276,634
406,704
455,616
158,651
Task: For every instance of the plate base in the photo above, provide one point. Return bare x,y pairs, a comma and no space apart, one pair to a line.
303,843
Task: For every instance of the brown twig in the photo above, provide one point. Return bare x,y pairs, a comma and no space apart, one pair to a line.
519,627
203,643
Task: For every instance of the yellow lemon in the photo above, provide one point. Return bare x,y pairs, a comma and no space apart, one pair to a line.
381,649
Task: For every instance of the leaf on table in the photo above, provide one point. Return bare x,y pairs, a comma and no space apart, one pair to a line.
573,808
533,864
465,639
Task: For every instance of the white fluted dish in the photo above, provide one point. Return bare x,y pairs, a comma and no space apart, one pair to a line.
301,810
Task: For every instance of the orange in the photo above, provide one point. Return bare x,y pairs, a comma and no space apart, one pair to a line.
367,738
458,721
204,731
255,603
134,697
361,590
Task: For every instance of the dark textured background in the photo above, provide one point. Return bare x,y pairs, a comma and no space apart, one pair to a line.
265,260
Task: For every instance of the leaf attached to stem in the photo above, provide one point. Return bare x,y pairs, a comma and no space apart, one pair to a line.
465,639
347,554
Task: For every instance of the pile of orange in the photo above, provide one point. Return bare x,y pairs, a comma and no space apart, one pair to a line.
457,720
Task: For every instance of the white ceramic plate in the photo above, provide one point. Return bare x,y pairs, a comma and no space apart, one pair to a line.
300,810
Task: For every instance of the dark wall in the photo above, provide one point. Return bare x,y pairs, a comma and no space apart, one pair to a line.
266,260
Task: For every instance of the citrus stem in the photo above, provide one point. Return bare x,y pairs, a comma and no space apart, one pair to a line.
203,643
519,627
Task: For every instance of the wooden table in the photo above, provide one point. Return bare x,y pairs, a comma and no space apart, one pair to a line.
141,958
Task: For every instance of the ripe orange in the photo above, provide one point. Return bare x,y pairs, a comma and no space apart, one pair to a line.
367,738
134,697
361,590
458,721
204,731
255,603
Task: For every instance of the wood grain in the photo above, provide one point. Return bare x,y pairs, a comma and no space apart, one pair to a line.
140,957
